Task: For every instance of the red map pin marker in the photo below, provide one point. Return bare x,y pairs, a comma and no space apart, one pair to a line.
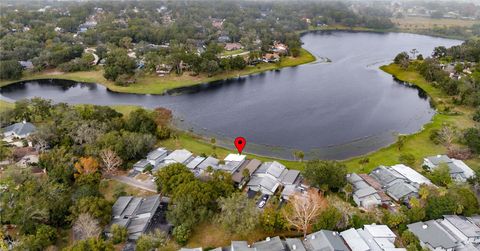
240,143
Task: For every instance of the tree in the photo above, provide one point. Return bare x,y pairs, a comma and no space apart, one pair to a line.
91,244
96,207
439,205
393,219
117,63
414,53
172,176
401,57
111,161
348,190
328,175
86,165
152,241
86,227
401,141
10,69
407,158
181,234
471,137
238,213
329,219
441,175
141,121
119,234
439,52
298,154
303,210
272,220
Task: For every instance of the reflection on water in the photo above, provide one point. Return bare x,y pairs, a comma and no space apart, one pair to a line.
329,110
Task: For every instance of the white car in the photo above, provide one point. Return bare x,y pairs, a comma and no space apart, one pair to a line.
261,204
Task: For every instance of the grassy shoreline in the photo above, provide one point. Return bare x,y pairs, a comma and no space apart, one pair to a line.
152,84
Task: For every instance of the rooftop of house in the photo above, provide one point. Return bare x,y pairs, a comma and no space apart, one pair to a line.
289,176
270,244
464,225
251,166
354,240
401,190
384,176
439,159
21,129
157,153
265,182
209,161
134,213
325,240
195,162
433,234
294,244
379,231
411,174
235,157
179,156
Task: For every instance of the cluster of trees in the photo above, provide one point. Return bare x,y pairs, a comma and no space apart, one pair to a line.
83,143
27,34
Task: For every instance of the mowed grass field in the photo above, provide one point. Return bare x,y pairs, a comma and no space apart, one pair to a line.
417,23
153,84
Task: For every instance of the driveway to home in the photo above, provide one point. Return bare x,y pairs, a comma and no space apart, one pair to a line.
145,185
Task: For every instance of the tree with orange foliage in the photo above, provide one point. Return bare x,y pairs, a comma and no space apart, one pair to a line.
86,165
304,208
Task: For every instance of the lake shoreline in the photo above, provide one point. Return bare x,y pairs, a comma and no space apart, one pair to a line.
152,84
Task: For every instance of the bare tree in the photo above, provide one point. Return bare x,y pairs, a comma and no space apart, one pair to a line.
304,208
86,227
111,161
447,136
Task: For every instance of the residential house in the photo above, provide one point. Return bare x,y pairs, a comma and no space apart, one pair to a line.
26,65
18,131
195,162
209,161
462,228
163,69
269,244
224,39
139,215
141,165
271,58
232,163
354,240
217,23
294,244
433,236
156,156
459,171
377,186
233,46
325,240
410,174
181,156
251,166
280,48
364,195
270,176
290,190
379,237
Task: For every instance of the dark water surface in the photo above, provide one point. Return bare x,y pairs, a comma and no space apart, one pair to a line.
329,110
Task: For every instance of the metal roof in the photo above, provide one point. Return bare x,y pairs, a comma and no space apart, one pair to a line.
179,156
411,174
354,240
439,159
290,177
465,226
157,153
209,161
433,234
377,231
195,162
274,168
20,129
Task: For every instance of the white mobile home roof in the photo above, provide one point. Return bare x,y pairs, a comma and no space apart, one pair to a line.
377,231
235,157
411,174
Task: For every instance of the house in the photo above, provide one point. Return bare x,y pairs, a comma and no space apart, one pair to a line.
354,240
294,244
217,23
280,48
271,58
232,163
270,176
178,156
433,236
459,171
325,240
223,39
411,175
209,161
268,244
251,166
195,162
28,160
139,215
163,69
26,65
378,237
462,228
18,130
290,190
364,195
156,156
233,46
141,165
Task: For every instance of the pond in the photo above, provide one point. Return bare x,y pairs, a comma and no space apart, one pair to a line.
335,110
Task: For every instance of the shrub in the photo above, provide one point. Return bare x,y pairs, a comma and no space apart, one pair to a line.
119,234
181,234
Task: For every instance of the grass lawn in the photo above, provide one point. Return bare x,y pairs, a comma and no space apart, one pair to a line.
418,144
4,105
109,187
229,53
417,23
152,84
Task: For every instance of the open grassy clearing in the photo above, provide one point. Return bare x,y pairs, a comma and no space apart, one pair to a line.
429,23
152,84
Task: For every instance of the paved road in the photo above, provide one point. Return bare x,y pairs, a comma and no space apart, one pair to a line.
145,185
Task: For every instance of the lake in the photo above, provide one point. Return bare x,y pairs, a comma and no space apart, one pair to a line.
331,110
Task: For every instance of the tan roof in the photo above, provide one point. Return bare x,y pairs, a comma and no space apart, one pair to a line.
251,165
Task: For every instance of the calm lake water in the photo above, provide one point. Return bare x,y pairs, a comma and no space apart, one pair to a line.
329,110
